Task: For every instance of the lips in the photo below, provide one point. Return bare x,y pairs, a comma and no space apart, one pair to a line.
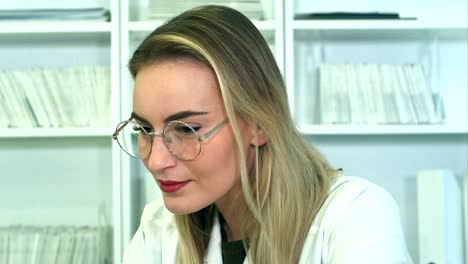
172,186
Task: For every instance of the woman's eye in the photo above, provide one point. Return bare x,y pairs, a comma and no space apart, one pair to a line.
148,129
138,128
195,128
184,129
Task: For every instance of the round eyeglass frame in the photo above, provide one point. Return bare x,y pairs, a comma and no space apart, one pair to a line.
165,139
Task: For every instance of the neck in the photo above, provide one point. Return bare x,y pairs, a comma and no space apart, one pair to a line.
229,206
229,209
231,229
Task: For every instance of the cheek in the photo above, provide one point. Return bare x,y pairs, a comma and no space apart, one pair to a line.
220,172
219,163
218,168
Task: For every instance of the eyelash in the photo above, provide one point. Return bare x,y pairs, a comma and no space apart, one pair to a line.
150,129
195,127
139,127
147,128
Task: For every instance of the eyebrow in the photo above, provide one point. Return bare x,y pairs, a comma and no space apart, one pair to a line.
138,117
176,116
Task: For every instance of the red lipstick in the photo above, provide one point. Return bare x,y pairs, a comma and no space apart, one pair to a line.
171,186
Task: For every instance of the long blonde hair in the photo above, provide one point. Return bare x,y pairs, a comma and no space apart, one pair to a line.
291,178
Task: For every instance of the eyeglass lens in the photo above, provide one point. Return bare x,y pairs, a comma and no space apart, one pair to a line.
180,139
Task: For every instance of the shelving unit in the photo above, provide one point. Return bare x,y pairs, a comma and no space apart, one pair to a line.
62,176
388,155
424,41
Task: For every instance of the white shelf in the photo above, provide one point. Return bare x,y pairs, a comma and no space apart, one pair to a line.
148,26
384,24
55,132
380,129
267,25
19,27
144,26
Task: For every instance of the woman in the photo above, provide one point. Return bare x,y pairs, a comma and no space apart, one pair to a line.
239,182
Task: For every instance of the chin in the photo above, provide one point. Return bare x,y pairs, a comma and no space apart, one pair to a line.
180,206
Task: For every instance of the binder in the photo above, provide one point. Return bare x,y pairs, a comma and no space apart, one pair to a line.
440,217
465,197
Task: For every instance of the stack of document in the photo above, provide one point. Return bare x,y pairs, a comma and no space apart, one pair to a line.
53,10
53,98
94,14
377,94
163,9
28,244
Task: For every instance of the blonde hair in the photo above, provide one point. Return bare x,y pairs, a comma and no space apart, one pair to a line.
291,178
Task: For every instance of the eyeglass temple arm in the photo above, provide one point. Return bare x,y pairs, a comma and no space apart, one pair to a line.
119,128
209,133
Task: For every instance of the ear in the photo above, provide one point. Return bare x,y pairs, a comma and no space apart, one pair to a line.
258,137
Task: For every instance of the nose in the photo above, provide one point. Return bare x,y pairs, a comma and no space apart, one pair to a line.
160,157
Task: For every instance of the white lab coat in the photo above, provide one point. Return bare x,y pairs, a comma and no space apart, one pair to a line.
358,223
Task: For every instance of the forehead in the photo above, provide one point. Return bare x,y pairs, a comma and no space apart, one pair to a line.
174,85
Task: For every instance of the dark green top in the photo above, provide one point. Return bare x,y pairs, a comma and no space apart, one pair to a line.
233,252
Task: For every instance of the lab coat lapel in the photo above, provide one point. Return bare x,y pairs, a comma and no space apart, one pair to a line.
169,241
213,254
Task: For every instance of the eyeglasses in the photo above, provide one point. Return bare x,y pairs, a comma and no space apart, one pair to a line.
181,139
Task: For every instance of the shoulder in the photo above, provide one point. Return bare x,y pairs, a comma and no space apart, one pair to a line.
359,199
348,191
359,222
